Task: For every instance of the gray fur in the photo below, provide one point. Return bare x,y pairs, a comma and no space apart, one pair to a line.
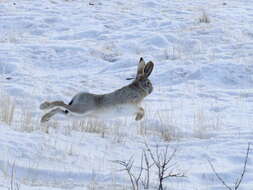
84,103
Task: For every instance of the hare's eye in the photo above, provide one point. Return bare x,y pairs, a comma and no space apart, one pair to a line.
147,83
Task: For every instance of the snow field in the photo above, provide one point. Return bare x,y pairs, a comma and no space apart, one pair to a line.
201,105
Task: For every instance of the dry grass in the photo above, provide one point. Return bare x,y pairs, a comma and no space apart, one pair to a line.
166,124
7,108
117,135
168,130
8,171
27,122
163,127
46,126
203,125
11,37
204,18
173,125
19,119
173,53
100,127
143,128
89,126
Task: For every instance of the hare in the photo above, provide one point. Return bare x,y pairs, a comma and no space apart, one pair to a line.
125,99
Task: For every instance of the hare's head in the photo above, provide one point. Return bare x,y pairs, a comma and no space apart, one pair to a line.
143,72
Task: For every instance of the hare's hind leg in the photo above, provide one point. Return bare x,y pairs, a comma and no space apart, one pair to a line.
140,114
50,105
48,115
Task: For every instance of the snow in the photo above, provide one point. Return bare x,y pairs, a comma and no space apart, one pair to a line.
203,95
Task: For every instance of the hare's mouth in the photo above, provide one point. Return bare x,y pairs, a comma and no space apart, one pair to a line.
150,90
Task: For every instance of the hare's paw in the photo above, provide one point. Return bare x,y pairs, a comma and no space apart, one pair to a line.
45,118
45,105
139,117
140,114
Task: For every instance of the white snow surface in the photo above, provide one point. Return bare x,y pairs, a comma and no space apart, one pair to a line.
203,78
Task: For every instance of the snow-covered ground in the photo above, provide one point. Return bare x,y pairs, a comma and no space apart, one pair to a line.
202,98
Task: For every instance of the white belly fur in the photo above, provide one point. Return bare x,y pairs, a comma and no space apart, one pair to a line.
111,112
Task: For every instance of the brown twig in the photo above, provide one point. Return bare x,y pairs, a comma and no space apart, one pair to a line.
161,161
239,180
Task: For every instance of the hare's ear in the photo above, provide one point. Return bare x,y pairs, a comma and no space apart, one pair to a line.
140,69
148,69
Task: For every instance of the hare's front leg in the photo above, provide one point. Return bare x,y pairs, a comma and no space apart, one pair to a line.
140,114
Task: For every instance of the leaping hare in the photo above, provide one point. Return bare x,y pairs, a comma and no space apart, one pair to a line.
126,98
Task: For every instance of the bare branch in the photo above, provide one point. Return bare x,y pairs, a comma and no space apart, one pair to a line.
171,156
152,156
175,175
12,175
239,180
162,160
145,182
128,167
237,184
138,177
136,180
217,175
